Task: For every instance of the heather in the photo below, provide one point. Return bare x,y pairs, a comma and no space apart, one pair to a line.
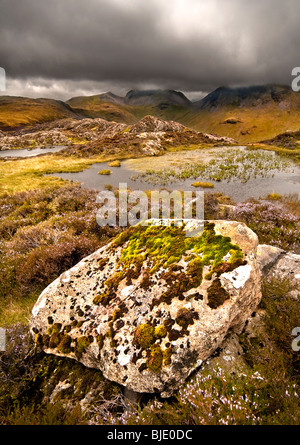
276,220
43,233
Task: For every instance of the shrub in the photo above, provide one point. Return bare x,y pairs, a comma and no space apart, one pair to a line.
273,222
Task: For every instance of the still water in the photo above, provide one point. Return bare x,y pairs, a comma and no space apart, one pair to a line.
275,181
26,153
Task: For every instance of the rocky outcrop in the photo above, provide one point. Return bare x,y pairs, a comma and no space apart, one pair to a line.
151,306
153,124
64,132
90,136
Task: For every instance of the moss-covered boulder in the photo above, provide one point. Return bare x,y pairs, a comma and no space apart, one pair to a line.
149,307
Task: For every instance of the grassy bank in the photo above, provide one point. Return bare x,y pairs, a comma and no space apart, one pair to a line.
29,173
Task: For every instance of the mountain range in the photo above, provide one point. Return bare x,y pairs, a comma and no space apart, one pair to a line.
247,114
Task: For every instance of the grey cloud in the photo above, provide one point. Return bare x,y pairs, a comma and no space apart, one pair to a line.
137,43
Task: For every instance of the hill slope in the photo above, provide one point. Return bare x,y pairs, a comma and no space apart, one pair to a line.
248,114
16,112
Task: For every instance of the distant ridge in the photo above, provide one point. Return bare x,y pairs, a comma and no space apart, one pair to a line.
246,114
243,96
157,98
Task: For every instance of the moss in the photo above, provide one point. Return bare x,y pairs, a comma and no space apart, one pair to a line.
102,263
38,340
167,354
164,246
67,328
116,314
54,340
81,345
110,334
80,312
216,294
146,281
185,317
45,340
195,272
133,273
155,359
173,334
160,331
144,335
102,298
64,345
100,341
54,329
178,284
123,237
114,281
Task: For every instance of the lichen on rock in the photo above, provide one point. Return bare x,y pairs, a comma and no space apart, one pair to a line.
153,303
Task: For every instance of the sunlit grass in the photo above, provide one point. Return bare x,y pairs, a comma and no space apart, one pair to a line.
14,311
29,173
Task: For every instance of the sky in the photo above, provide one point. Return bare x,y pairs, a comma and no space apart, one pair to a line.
66,48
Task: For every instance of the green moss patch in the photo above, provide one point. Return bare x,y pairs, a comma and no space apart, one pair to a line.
156,247
144,336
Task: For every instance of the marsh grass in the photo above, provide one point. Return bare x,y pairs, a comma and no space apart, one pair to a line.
104,172
230,165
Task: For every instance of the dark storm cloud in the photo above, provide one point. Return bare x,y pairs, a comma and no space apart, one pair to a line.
190,45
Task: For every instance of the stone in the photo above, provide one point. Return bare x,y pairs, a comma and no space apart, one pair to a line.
229,357
277,263
148,308
267,256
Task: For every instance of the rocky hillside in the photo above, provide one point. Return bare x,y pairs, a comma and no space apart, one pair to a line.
289,139
88,137
246,114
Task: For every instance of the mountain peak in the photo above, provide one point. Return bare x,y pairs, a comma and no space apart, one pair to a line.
243,96
160,98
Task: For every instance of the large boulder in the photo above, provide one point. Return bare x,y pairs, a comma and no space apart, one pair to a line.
148,308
